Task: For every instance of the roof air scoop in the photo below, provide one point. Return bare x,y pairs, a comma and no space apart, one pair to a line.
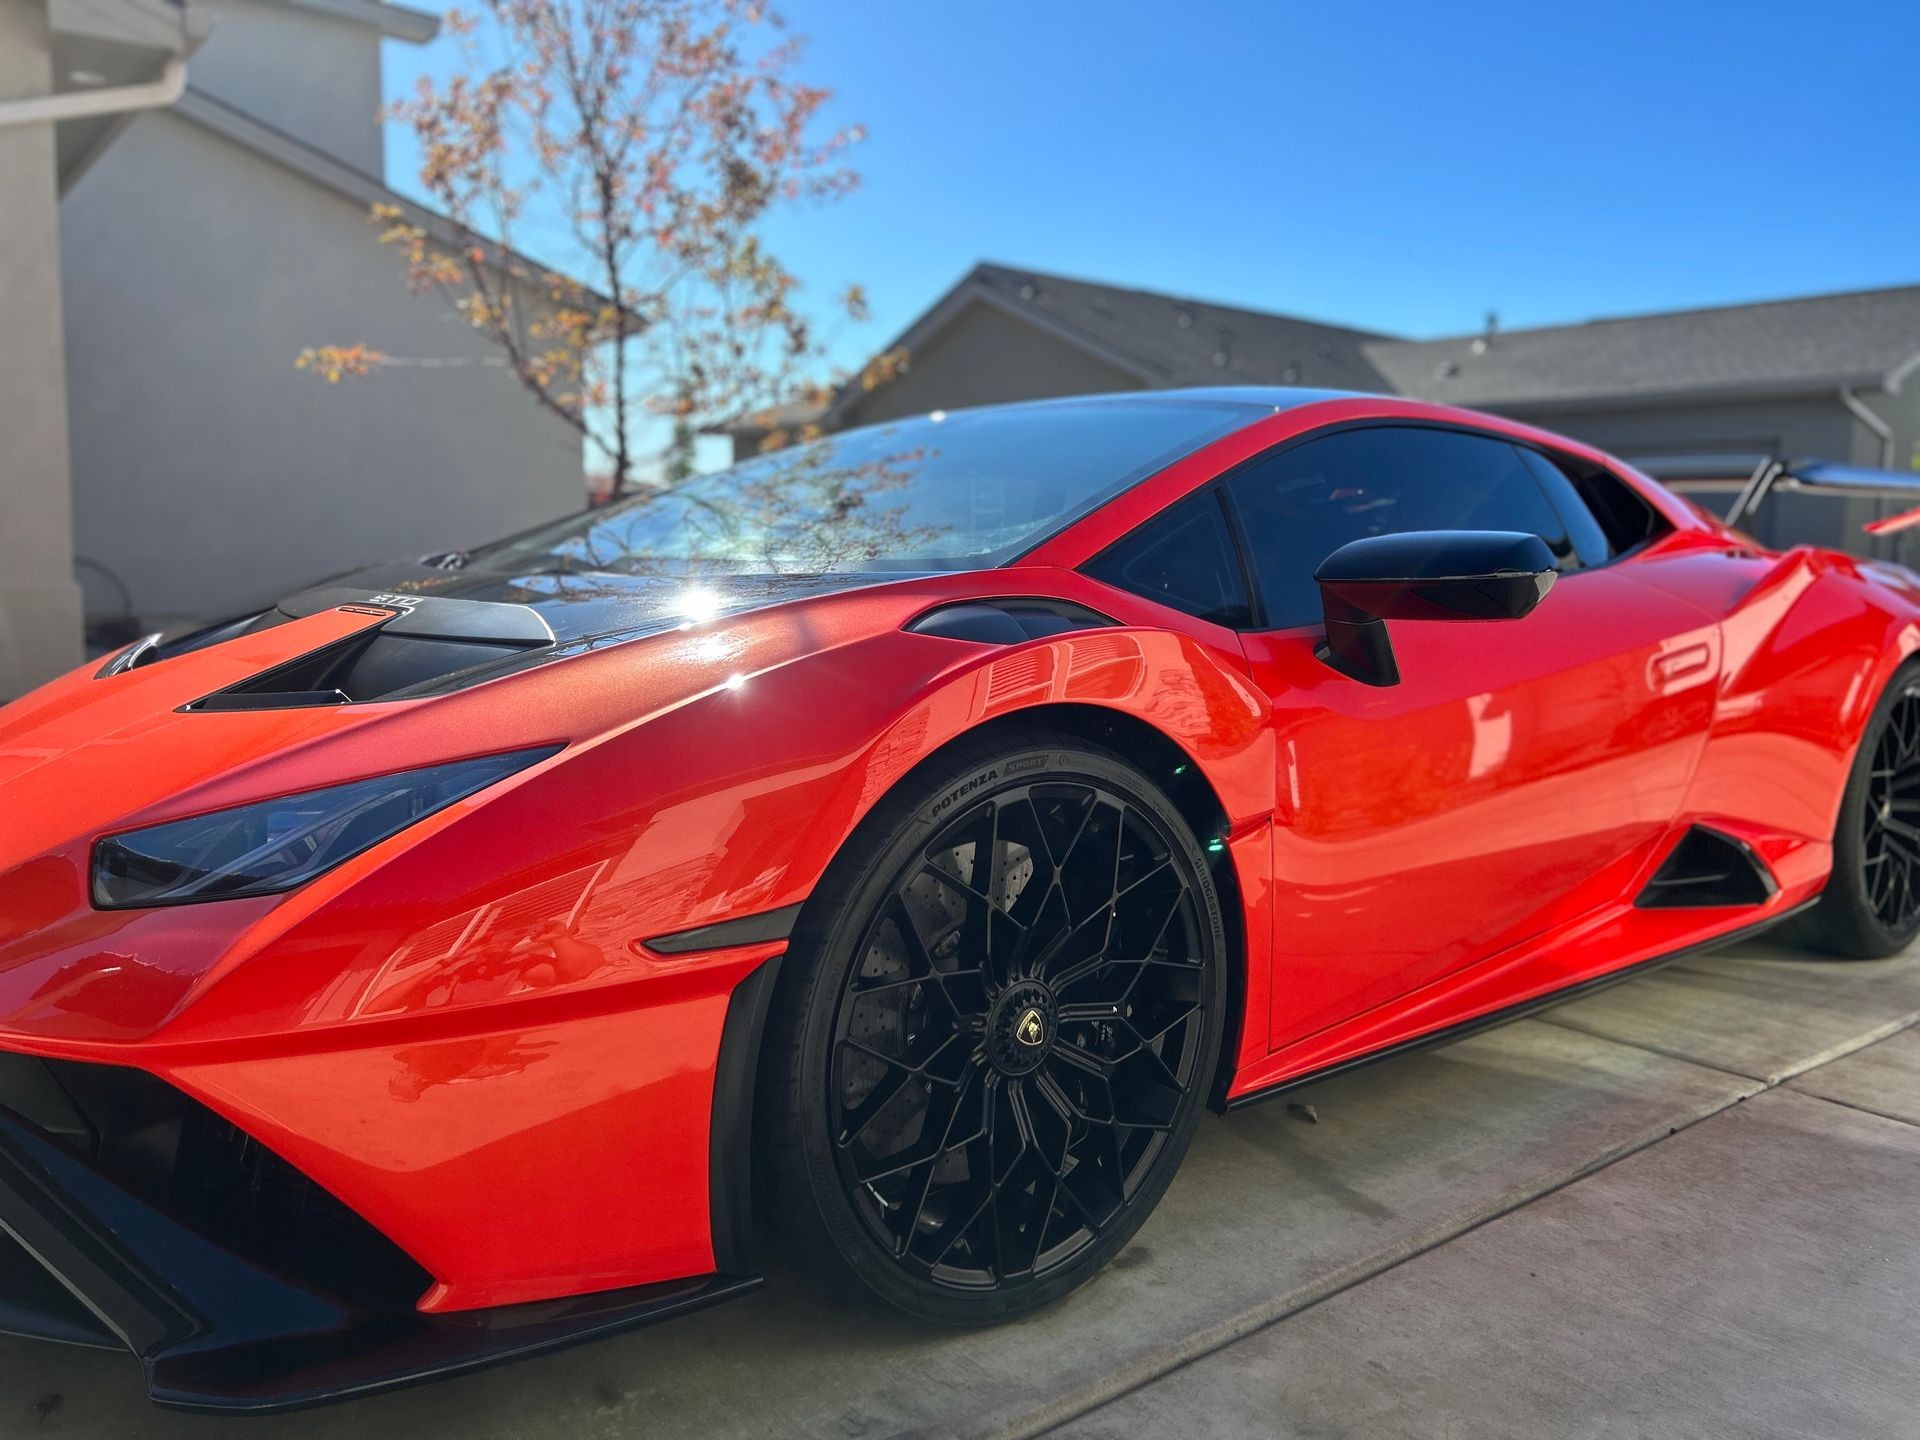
434,617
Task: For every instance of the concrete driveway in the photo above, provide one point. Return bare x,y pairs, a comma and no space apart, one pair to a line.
1500,1230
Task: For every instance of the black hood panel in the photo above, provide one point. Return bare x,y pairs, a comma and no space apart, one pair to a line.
447,629
577,606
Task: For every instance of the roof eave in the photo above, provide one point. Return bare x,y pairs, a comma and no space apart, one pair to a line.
765,422
1803,387
970,288
1120,360
396,22
336,175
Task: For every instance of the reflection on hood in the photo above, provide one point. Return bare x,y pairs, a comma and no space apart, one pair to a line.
584,605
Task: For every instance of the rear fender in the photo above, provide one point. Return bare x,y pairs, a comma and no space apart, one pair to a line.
1808,650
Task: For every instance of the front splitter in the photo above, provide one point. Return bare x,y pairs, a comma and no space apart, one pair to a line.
86,1262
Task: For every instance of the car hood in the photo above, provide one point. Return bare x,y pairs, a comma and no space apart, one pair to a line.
581,605
647,736
181,720
438,630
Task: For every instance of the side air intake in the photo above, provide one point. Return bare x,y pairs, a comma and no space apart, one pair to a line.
1708,868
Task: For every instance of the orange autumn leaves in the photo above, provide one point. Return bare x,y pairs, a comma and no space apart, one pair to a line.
646,144
333,362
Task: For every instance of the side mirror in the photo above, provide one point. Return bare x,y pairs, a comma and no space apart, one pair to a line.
1423,575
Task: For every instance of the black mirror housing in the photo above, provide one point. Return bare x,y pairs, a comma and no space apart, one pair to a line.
1423,575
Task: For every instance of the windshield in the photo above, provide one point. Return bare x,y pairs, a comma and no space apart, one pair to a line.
939,492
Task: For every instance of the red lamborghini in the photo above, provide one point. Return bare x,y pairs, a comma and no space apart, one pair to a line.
913,831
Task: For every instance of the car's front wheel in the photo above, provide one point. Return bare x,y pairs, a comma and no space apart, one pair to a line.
994,1030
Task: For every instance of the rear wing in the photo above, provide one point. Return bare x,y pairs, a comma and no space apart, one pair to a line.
1690,475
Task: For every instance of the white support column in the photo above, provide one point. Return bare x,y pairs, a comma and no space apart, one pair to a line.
40,632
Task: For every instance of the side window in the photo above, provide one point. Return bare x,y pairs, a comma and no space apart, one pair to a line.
1297,506
1589,539
1183,558
1623,512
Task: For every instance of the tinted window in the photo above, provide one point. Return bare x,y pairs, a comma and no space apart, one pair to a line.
938,492
1621,510
1589,539
1183,558
1300,505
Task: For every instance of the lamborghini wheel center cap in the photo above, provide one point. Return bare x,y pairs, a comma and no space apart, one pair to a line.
1020,1029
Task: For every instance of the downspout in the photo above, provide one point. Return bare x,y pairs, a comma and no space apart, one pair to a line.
1880,428
80,104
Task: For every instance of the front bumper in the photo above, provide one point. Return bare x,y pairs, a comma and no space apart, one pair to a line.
131,1218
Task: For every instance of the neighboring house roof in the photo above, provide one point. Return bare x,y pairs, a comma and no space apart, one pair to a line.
1171,340
329,170
792,415
1865,338
1868,338
1159,340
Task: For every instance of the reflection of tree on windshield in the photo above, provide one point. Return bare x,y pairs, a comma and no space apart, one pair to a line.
937,492
811,510
817,513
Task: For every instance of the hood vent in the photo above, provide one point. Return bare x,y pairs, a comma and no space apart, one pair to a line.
432,640
435,617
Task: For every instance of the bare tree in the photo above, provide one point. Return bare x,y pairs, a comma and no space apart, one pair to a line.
659,135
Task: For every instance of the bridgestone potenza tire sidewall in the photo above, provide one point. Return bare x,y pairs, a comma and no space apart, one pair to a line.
818,968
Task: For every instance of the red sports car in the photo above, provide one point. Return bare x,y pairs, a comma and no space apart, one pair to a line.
913,830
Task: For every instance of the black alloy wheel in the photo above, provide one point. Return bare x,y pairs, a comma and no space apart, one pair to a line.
1020,1018
1871,906
1890,819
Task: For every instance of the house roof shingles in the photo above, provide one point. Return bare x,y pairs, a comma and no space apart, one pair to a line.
1780,346
1867,338
1175,341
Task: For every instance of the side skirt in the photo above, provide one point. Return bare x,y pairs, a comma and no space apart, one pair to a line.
1446,1035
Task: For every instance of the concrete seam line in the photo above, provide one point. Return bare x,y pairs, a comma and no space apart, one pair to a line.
1839,1050
1850,1105
1651,1049
1217,1337
1050,1415
1702,967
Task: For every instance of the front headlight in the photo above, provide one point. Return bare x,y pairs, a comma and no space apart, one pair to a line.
274,845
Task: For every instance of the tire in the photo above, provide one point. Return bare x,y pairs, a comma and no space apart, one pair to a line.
1057,1038
1871,906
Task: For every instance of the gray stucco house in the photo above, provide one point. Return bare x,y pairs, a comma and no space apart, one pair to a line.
171,262
1833,376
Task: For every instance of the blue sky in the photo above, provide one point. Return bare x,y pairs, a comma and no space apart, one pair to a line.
1400,166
